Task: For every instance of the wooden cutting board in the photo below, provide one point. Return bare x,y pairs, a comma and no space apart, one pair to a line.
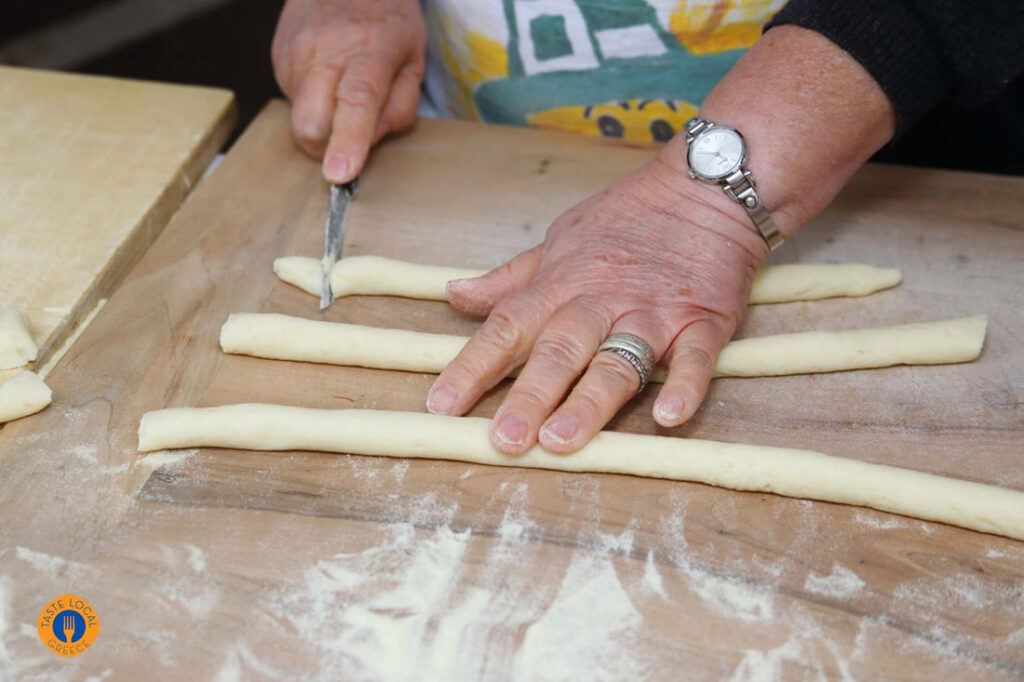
245,565
92,170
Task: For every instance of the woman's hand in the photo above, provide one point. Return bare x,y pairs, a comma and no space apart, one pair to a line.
655,255
352,69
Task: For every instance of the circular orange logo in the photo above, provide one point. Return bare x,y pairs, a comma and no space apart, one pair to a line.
68,625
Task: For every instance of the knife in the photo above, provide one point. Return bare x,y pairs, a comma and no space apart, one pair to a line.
334,234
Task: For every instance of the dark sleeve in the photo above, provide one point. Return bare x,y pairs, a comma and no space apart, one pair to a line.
922,52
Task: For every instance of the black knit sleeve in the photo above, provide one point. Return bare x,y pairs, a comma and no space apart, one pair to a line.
922,52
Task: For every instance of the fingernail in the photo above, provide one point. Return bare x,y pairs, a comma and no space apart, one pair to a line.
561,429
337,168
441,399
453,285
669,409
512,429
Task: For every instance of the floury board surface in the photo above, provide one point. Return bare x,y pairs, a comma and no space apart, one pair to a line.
245,565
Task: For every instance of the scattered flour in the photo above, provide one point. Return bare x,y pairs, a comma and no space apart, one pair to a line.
994,554
371,614
86,453
842,582
15,666
192,590
241,659
732,598
588,632
652,578
934,597
878,520
196,558
616,544
766,666
515,523
165,458
398,470
53,566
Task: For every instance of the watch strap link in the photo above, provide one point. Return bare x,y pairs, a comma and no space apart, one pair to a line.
694,126
741,189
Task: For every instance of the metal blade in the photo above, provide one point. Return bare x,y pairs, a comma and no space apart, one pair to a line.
334,235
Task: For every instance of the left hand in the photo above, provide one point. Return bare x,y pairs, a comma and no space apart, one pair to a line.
655,255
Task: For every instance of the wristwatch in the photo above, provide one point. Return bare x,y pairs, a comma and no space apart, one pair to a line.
716,154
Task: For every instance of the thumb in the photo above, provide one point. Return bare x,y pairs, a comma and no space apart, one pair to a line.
478,295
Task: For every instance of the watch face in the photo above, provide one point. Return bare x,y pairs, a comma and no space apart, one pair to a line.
716,153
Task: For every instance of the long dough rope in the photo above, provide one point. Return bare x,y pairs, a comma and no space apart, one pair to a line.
284,337
379,276
789,472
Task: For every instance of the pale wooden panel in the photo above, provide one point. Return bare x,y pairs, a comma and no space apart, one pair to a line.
247,565
92,170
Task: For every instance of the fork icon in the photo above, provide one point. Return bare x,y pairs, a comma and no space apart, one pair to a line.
69,629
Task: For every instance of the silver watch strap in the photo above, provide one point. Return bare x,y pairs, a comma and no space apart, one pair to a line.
694,126
741,188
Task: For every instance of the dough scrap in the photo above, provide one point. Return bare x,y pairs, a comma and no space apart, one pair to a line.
23,395
283,337
17,348
388,277
783,471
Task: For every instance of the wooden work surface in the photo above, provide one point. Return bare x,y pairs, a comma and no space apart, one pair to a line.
91,169
247,565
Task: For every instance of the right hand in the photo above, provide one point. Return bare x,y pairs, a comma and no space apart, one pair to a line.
352,69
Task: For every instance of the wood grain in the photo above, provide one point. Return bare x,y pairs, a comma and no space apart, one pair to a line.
256,565
93,168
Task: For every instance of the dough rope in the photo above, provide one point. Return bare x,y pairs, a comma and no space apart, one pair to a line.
790,472
283,337
379,276
22,395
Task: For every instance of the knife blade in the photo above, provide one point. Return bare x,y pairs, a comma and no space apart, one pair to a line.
334,234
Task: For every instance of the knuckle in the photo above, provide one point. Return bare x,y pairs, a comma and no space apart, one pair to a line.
501,331
530,395
309,135
619,374
589,402
560,350
306,40
361,93
698,357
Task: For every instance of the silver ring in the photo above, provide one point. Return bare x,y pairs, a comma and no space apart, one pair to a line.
633,350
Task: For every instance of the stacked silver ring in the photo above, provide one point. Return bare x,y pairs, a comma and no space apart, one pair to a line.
633,350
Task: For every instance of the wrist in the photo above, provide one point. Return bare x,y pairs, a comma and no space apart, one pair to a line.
810,116
705,205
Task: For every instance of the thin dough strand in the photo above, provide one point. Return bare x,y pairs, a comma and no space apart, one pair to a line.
283,337
783,471
379,276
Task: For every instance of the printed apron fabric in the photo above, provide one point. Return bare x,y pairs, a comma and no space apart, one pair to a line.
632,69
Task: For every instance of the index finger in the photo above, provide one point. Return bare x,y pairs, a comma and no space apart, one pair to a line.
362,92
500,345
